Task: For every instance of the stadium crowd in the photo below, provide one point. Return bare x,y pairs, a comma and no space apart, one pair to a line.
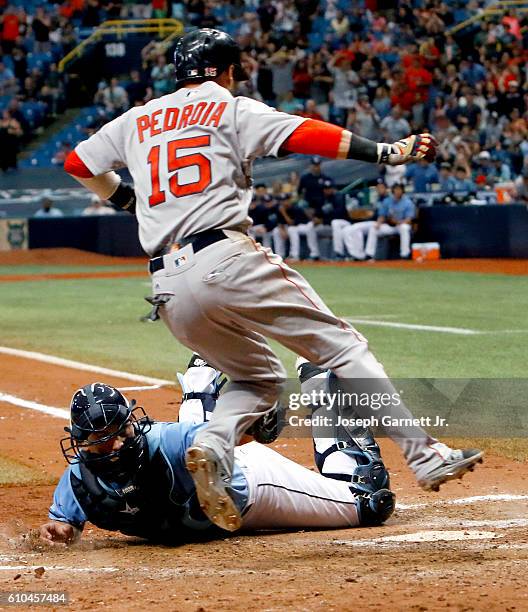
383,69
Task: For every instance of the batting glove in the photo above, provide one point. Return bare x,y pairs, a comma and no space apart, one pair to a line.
412,148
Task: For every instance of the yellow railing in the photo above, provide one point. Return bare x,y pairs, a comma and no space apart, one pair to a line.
495,9
167,29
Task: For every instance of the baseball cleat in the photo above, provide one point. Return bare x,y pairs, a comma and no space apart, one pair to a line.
211,487
454,466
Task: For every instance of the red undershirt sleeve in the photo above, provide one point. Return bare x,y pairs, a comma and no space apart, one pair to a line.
75,166
315,137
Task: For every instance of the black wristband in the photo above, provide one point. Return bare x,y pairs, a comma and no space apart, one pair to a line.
124,198
363,149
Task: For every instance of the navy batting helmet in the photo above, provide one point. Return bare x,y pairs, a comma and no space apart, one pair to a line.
100,413
205,54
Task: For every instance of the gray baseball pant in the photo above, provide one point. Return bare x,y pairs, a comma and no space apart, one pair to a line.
232,295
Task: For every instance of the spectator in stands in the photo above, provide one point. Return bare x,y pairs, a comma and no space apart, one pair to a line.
162,76
446,180
15,111
8,82
113,97
137,90
462,181
97,208
52,91
340,24
354,235
395,126
472,72
91,14
302,79
310,111
10,28
382,104
512,99
395,215
41,26
282,71
344,89
367,120
311,185
267,12
423,175
47,210
290,105
321,82
10,136
20,65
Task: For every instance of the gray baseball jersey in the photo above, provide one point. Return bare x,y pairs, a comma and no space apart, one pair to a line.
190,155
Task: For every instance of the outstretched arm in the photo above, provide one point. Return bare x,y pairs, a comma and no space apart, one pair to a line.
57,532
314,137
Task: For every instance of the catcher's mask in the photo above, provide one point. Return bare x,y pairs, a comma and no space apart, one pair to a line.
100,414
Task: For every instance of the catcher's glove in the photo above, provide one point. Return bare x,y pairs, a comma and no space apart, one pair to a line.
412,148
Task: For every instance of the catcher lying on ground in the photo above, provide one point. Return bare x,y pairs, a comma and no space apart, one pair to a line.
127,473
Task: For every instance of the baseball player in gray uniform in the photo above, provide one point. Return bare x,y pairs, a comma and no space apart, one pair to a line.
221,294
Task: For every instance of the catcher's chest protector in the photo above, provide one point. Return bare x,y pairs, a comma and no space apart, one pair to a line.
145,507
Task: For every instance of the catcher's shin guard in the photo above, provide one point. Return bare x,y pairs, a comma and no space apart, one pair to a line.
351,454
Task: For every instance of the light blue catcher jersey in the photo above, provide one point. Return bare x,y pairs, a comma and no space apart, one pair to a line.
172,439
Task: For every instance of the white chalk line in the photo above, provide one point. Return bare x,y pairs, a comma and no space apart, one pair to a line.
414,326
515,523
22,403
77,365
461,331
54,411
462,501
144,388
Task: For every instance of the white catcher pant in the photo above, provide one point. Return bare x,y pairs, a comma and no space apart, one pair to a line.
304,229
404,230
284,494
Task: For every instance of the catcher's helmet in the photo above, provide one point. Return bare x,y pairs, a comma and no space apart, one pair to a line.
104,411
205,54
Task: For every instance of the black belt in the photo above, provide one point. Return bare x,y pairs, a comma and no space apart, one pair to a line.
199,241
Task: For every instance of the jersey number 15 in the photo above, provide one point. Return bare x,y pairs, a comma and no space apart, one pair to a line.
175,163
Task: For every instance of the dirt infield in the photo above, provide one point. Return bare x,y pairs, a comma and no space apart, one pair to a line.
333,570
74,257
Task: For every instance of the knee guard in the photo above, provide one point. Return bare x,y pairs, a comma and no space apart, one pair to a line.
269,426
376,508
